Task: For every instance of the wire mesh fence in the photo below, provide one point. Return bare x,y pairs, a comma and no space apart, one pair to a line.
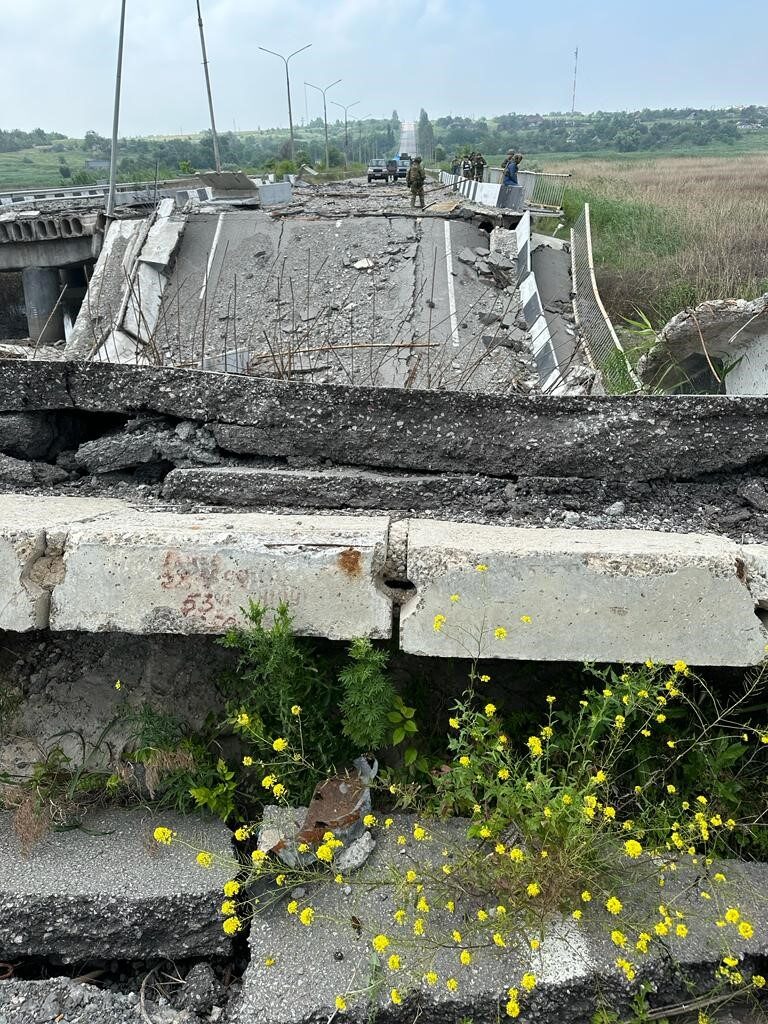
601,342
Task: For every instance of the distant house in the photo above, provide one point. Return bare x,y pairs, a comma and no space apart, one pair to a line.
97,165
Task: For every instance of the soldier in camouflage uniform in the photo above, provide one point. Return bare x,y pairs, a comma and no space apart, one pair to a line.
479,166
415,180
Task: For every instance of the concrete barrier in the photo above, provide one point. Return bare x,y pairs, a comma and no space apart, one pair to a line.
92,565
599,595
32,537
95,566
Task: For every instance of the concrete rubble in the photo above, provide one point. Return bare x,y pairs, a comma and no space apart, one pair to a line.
177,439
100,565
110,892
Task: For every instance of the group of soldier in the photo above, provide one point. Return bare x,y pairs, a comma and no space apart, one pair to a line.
473,166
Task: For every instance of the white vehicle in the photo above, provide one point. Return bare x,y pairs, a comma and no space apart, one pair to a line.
378,169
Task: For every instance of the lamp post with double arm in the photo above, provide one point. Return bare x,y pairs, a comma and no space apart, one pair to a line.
286,60
345,108
325,114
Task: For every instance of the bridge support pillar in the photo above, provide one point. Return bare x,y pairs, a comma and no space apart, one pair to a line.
41,293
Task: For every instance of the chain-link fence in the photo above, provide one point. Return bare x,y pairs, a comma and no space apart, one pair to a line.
601,342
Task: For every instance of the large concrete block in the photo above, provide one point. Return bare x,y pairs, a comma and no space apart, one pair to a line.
574,964
599,595
32,536
158,572
110,892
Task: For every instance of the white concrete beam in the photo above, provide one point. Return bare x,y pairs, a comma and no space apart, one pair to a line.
32,536
161,572
593,595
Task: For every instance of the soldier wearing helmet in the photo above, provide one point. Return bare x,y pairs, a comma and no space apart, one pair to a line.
415,180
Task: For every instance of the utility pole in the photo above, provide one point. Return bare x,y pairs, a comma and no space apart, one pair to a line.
575,73
325,114
288,85
216,155
116,117
346,131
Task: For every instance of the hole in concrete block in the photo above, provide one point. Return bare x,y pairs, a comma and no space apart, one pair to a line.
404,585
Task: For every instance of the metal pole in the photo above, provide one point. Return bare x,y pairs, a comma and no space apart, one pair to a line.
116,118
288,86
575,73
346,131
325,115
216,155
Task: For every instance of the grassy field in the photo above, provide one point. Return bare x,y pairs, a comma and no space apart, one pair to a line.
36,167
672,232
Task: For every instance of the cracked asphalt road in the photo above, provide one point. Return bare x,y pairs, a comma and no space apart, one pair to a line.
345,285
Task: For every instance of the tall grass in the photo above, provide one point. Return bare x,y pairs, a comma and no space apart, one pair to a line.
670,233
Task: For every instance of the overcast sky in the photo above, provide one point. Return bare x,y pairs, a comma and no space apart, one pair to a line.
466,57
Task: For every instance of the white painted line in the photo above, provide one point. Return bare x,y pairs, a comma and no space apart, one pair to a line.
451,291
216,238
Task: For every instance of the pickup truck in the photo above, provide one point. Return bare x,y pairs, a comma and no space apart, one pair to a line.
378,169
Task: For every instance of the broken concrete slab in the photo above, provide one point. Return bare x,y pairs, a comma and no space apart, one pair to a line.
159,572
32,536
574,965
602,595
109,891
254,486
25,435
637,437
20,473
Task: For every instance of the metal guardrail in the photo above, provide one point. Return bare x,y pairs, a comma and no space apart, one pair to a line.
601,342
542,190
126,191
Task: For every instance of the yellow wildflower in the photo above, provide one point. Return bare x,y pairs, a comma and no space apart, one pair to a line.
205,859
307,916
163,835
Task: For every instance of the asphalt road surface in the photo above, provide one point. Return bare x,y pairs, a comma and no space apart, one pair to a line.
350,287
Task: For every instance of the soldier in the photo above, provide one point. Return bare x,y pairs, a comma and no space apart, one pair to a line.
466,167
510,170
507,158
479,166
415,180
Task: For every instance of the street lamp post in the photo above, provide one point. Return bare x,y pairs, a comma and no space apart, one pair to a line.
287,84
325,114
346,131
214,134
116,117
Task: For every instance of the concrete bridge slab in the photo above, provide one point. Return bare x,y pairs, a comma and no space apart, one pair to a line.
598,595
111,892
147,572
32,536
